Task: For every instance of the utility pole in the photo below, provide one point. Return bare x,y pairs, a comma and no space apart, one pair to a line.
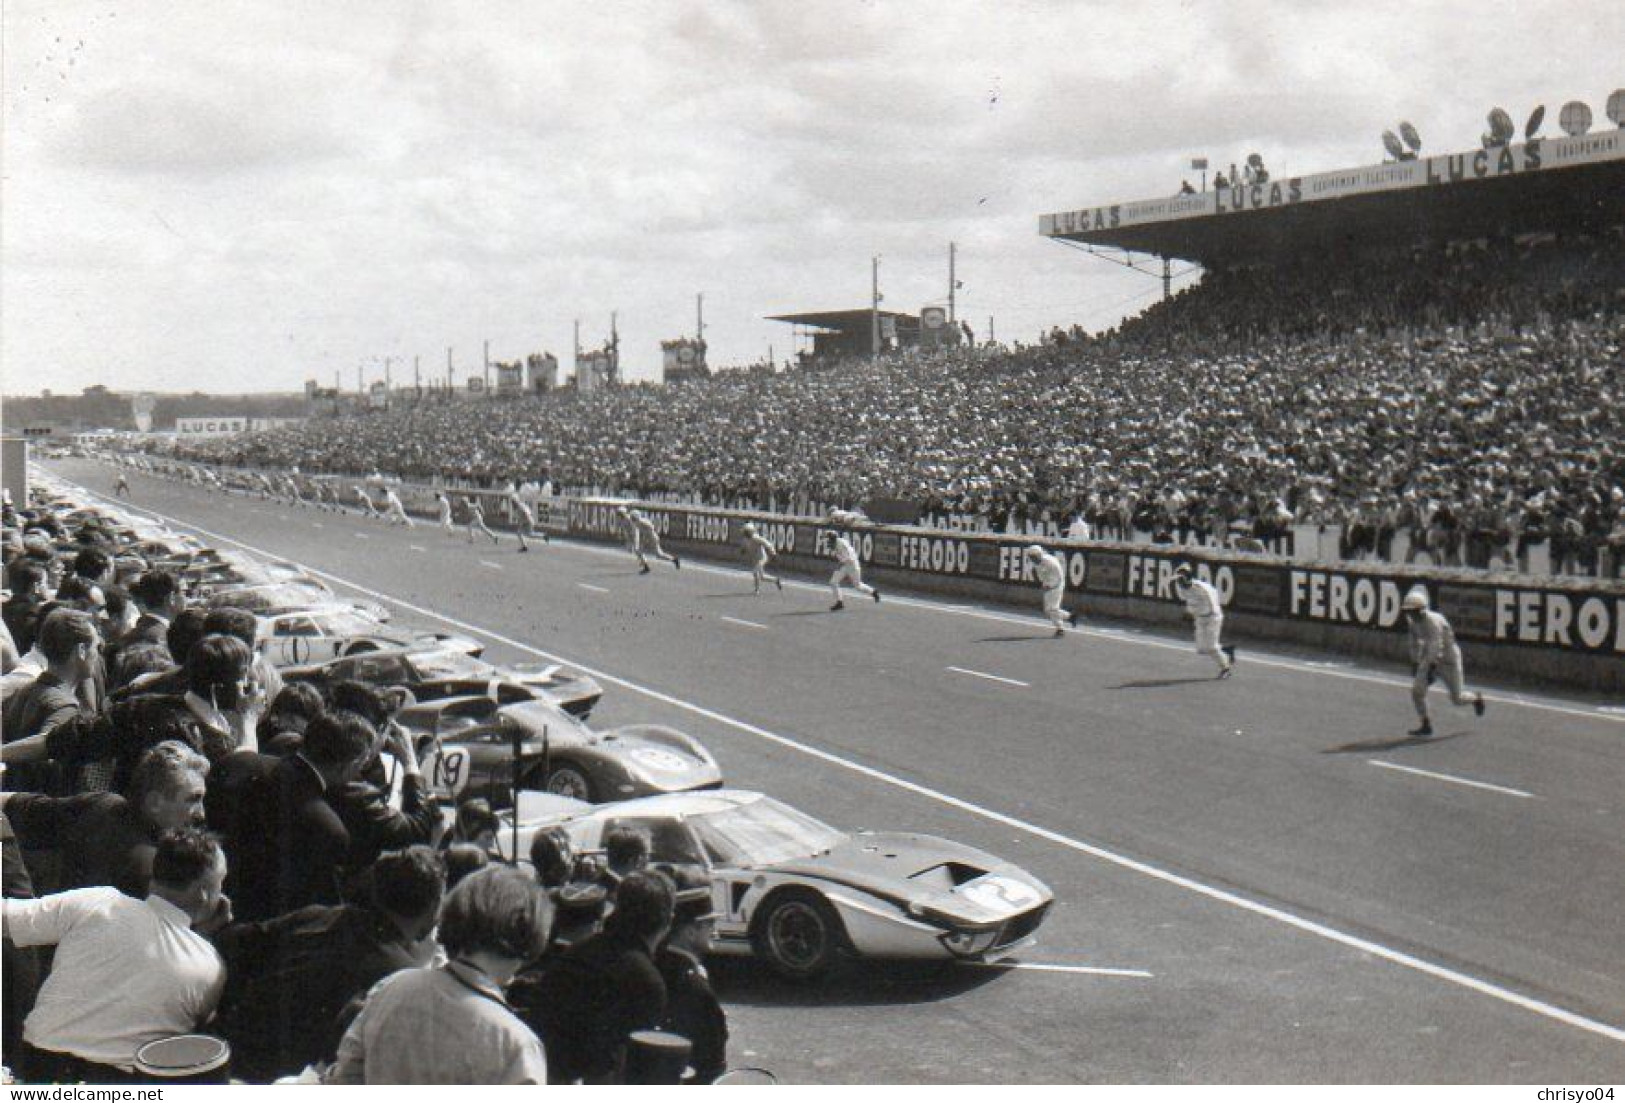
487,365
336,387
388,382
417,377
874,309
614,350
990,329
953,284
1166,279
451,375
576,365
699,316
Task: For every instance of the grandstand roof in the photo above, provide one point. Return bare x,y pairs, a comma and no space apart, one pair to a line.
839,320
1546,185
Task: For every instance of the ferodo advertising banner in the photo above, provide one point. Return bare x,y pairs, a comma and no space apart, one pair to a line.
1576,619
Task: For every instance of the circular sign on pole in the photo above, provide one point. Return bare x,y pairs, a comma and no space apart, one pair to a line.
1616,107
1575,118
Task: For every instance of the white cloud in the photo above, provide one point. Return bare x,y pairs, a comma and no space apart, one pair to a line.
243,195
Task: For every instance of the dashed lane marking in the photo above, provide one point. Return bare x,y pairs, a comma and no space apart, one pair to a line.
493,566
417,547
745,623
990,677
1452,778
590,586
1086,970
1225,896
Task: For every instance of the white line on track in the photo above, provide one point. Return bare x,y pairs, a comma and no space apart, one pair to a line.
590,586
315,524
990,677
493,566
745,623
417,547
1224,896
1087,970
362,536
1450,778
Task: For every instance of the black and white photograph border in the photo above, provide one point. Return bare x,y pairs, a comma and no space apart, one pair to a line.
879,543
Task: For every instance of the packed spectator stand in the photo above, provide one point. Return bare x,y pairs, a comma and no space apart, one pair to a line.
1469,395
197,856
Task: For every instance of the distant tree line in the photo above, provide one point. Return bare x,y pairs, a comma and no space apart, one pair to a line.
99,408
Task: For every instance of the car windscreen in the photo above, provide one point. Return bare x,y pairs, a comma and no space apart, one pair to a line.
436,665
345,623
762,833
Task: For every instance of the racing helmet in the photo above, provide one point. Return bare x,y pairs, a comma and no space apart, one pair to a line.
749,529
1035,550
1415,601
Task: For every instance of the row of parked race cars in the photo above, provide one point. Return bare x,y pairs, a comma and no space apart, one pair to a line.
789,889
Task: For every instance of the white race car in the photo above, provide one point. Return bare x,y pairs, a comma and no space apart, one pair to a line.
317,635
800,893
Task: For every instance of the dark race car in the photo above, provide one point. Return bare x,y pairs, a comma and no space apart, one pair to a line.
473,746
435,673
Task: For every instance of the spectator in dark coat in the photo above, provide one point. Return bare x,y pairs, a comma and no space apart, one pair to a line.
289,979
585,1003
692,1008
287,845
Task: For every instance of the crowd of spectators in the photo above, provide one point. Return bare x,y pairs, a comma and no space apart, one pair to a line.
1470,396
190,846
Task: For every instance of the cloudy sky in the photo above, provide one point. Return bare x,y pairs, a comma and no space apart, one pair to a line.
238,196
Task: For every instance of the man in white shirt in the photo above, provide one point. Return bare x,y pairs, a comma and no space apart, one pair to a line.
443,505
394,511
1202,606
127,972
1434,654
848,569
366,501
526,519
1052,576
476,521
642,535
758,550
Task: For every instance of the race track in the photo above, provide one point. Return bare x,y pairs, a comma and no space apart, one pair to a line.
1256,880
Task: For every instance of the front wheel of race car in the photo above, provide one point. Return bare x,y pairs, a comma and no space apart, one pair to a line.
798,933
565,780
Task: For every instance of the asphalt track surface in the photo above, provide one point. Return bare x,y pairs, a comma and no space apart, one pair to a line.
1257,880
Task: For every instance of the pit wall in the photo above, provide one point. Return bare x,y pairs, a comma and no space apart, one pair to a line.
1568,632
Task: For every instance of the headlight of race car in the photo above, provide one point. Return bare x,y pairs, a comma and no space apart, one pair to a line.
970,943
